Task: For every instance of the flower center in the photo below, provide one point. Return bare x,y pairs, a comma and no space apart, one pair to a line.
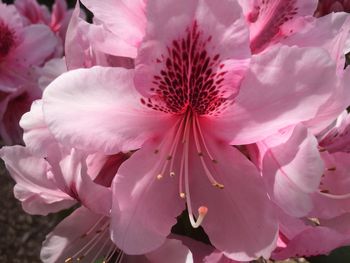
7,40
191,77
177,144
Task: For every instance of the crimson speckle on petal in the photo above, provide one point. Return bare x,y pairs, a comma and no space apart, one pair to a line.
283,11
191,77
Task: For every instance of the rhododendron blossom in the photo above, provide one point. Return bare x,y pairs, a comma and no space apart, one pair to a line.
195,91
168,114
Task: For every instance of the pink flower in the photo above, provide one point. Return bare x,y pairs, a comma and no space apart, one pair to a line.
194,93
19,59
34,13
18,55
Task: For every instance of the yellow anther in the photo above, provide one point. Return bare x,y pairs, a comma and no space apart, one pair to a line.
220,186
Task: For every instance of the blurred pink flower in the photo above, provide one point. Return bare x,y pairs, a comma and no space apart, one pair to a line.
20,58
57,20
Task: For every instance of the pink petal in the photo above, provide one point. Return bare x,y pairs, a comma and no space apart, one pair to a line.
34,36
337,138
201,252
31,10
71,174
10,14
172,251
71,237
281,89
330,32
51,70
126,18
293,171
242,208
148,206
220,32
271,21
312,242
37,192
37,136
333,198
92,195
87,44
15,104
105,112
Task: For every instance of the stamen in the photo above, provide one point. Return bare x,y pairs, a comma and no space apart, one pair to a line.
212,180
109,253
182,194
93,227
203,141
175,146
79,255
120,257
172,148
332,169
100,250
68,260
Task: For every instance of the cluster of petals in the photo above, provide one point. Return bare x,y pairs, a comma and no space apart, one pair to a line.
234,112
24,27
